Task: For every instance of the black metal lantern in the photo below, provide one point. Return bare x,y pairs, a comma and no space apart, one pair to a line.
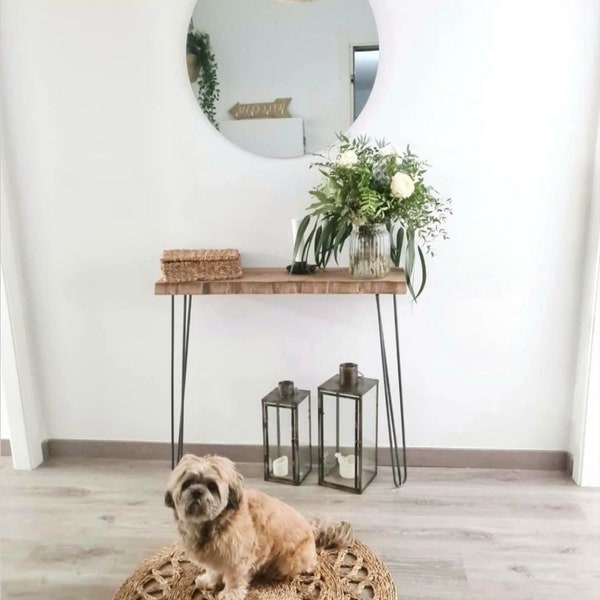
348,411
286,434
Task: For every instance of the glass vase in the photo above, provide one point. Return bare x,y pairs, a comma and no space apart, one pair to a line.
369,251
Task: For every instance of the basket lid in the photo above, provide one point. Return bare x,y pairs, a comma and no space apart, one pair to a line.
200,255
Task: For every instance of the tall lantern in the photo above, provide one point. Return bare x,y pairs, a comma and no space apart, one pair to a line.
348,410
286,434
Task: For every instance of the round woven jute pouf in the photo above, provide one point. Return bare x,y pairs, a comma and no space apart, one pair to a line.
353,573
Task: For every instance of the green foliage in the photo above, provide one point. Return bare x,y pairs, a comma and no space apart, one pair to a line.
198,44
358,189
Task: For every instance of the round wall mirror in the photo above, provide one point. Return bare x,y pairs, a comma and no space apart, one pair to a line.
280,78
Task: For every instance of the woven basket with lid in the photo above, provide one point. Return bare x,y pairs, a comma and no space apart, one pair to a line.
200,265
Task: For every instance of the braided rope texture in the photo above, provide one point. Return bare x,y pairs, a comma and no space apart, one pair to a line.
353,573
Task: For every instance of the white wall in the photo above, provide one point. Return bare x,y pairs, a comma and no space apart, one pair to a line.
112,162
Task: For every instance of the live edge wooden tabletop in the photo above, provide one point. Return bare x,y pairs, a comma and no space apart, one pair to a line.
278,281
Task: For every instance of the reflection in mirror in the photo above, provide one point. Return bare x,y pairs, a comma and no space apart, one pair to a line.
365,61
281,78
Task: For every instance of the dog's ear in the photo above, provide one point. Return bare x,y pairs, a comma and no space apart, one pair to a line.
169,500
235,492
234,498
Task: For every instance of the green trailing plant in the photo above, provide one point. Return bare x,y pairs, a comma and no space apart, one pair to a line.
198,44
371,183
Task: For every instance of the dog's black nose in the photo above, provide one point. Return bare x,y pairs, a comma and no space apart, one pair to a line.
197,494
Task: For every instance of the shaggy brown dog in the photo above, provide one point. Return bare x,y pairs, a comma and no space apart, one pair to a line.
237,534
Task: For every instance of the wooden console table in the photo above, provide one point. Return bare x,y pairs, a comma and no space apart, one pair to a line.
278,281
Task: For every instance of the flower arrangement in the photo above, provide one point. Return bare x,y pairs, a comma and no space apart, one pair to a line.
369,185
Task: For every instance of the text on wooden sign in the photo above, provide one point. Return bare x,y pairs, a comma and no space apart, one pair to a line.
277,109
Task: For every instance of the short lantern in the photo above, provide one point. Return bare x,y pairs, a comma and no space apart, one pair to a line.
348,407
286,434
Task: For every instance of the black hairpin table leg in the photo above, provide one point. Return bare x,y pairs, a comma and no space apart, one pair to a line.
399,477
185,341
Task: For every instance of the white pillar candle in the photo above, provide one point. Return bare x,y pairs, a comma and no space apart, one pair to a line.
280,466
346,465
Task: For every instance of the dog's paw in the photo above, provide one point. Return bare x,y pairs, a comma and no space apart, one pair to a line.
232,594
206,581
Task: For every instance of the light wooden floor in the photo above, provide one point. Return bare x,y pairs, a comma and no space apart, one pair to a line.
74,529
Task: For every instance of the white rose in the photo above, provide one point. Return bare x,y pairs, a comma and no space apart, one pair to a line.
347,159
402,186
387,151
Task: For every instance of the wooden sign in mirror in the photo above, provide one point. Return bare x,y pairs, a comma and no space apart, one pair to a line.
278,109
253,56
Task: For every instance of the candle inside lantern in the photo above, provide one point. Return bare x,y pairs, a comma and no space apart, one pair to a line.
280,466
346,465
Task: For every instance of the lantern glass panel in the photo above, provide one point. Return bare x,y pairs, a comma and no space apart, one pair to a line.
369,436
338,431
304,438
281,458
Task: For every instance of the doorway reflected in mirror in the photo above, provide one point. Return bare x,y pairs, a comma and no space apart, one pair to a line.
365,61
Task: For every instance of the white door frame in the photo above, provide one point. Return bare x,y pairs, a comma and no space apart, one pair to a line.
25,418
585,442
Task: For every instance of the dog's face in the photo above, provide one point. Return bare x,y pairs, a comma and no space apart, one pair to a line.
201,488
